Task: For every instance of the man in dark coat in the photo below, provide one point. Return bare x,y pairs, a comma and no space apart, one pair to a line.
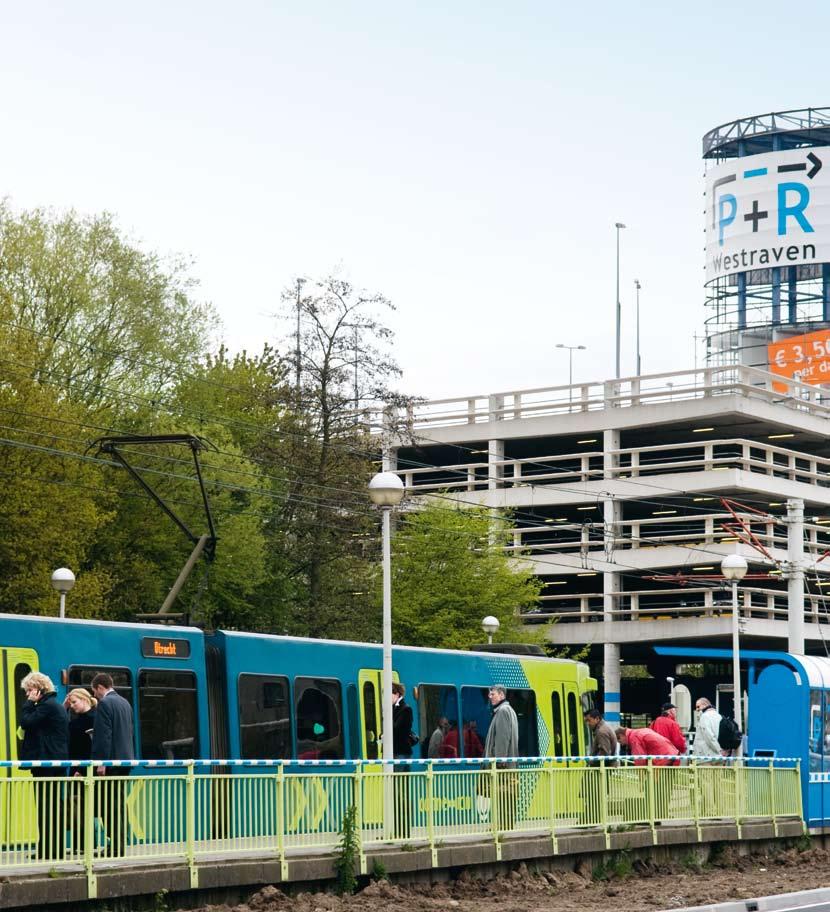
402,748
45,727
112,739
401,723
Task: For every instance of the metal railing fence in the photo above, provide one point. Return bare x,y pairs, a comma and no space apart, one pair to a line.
200,810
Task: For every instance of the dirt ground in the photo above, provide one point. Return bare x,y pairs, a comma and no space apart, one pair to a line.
627,886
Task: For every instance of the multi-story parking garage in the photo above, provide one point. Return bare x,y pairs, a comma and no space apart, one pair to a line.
621,495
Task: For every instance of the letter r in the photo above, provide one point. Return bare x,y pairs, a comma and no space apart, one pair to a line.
796,211
727,210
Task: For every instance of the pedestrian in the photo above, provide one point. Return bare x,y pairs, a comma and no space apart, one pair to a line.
706,743
437,738
603,739
472,743
46,737
502,740
402,742
81,705
666,725
112,739
645,742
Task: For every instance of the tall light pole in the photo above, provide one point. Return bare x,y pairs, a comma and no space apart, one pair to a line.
490,625
618,225
386,492
734,568
571,350
63,579
638,286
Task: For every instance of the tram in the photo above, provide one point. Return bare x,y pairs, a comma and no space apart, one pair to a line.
237,695
787,702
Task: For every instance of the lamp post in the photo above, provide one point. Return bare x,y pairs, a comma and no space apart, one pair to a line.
571,350
638,286
490,625
386,492
63,579
618,226
734,568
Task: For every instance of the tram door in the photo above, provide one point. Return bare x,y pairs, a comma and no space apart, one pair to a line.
18,817
370,682
567,721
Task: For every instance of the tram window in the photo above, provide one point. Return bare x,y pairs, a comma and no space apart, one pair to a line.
816,725
264,717
476,713
574,720
354,725
82,675
558,725
438,705
524,702
318,719
168,715
370,717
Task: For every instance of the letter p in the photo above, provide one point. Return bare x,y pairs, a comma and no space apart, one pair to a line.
727,210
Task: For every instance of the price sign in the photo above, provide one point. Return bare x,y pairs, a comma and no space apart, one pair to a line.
804,358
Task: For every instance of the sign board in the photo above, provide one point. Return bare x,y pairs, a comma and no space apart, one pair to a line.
805,358
162,648
768,210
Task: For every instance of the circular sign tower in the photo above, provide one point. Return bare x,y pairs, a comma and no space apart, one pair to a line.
768,243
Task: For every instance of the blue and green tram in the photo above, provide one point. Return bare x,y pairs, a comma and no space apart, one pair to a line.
254,696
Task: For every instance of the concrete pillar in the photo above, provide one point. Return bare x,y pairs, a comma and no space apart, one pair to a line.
495,473
795,576
611,583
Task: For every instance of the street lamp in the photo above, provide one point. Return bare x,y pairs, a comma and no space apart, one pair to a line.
618,226
571,350
638,286
386,492
490,625
734,568
63,579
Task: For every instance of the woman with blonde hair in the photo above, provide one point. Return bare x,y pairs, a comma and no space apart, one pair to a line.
81,704
45,737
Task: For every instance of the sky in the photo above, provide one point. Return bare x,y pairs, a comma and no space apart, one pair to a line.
466,159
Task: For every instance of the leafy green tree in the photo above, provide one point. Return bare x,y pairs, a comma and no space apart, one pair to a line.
448,572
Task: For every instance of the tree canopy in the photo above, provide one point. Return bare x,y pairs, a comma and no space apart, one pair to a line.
449,572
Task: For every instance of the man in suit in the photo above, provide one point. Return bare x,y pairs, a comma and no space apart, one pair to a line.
112,739
402,748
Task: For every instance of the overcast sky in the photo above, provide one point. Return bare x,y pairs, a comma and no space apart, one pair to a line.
467,159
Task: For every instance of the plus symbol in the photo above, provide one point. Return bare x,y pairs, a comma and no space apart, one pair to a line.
755,216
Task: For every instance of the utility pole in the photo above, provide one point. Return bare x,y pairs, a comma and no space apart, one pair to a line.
618,226
794,574
638,286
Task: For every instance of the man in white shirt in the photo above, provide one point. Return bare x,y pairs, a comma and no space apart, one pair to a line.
706,734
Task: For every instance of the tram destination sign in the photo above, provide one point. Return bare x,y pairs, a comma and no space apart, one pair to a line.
768,210
163,648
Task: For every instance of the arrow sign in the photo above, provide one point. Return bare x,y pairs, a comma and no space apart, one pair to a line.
816,162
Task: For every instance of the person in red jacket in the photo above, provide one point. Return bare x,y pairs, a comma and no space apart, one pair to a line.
644,742
666,725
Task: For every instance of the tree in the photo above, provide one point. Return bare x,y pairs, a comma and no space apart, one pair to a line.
344,369
93,332
448,572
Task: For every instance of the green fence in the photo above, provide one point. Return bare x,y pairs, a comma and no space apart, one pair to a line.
200,810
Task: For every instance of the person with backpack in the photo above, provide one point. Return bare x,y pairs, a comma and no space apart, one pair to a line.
707,731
